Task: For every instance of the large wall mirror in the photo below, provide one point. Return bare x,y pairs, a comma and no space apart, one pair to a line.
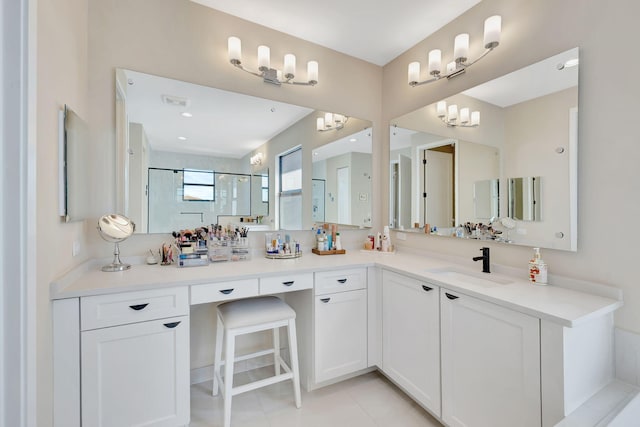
190,155
501,155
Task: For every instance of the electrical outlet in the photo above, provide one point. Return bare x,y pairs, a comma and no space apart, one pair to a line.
75,248
401,236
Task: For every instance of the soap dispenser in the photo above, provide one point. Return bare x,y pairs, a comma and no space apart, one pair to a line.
537,269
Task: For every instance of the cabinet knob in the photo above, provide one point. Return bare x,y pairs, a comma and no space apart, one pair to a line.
342,280
138,307
226,291
325,300
289,283
172,324
451,296
426,288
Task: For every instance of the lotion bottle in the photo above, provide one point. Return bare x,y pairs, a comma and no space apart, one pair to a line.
537,269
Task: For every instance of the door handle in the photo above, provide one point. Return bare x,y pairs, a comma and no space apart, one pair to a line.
289,283
342,281
325,300
138,307
426,288
172,324
226,291
451,297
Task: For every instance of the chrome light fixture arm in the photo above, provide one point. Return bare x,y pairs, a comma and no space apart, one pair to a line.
268,74
492,30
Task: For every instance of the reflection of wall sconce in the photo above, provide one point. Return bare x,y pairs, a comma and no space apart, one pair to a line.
450,116
492,29
268,74
256,160
331,121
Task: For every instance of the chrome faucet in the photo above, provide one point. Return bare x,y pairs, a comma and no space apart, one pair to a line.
485,260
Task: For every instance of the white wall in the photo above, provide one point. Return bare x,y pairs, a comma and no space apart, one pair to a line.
61,79
608,147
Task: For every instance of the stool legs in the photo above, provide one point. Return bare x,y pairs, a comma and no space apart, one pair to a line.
218,356
230,341
276,350
293,352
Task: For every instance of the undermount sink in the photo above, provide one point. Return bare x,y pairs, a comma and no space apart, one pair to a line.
470,277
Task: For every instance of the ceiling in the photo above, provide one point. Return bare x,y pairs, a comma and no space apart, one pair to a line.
375,31
223,123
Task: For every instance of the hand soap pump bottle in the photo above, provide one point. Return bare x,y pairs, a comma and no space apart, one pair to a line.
537,269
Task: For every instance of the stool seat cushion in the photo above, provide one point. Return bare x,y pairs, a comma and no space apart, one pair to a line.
254,311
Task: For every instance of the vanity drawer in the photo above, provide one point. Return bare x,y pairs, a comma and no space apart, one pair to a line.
222,291
291,282
342,280
101,311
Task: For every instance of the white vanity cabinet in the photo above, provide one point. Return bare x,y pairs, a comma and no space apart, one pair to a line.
134,358
340,323
490,364
411,337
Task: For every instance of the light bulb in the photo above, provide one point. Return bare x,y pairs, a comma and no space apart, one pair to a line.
235,50
464,115
264,58
435,62
492,29
414,73
312,72
289,66
461,47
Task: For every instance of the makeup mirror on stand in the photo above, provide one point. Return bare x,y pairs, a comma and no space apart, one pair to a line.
115,228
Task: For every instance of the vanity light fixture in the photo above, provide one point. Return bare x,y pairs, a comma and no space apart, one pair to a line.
331,121
492,30
268,74
256,160
451,118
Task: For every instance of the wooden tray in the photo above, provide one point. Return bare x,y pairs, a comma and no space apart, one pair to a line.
332,252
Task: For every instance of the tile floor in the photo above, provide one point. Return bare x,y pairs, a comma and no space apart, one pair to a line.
369,400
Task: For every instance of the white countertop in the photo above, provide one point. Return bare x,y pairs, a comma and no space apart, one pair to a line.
561,305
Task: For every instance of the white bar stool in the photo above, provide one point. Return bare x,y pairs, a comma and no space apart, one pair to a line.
243,317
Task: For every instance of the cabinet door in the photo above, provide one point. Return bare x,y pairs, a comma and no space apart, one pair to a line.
137,374
490,364
411,337
340,334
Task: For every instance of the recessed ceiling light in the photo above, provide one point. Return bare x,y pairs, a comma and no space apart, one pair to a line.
352,140
182,138
186,114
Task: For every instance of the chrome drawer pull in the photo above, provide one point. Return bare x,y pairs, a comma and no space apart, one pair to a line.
325,300
138,307
426,288
226,291
342,280
451,296
289,283
172,324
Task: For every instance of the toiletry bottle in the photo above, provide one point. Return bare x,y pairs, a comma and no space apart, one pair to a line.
542,270
537,269
338,243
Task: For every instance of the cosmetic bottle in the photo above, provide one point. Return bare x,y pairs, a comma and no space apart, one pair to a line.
537,269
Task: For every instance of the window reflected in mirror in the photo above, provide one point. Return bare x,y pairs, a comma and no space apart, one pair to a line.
166,124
